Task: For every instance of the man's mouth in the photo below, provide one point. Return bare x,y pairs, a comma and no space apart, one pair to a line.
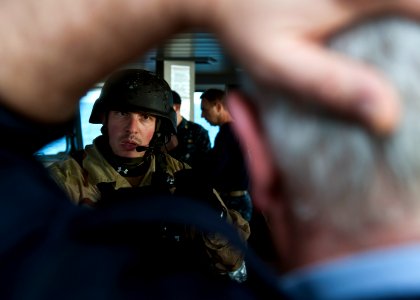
129,146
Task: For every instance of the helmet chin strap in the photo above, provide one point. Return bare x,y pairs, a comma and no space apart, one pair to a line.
143,148
154,142
156,146
158,141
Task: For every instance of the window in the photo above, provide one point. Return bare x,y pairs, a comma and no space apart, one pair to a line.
54,147
89,131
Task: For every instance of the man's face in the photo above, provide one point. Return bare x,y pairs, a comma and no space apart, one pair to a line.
209,112
127,130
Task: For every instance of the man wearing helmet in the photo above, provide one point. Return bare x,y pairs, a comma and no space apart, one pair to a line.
135,108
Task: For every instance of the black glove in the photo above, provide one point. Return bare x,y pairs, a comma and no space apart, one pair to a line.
110,196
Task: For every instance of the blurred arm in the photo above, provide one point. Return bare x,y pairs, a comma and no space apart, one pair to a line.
53,51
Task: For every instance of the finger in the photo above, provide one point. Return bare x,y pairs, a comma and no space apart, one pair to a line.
337,82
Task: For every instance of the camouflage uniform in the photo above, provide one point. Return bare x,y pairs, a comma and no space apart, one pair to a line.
193,142
81,184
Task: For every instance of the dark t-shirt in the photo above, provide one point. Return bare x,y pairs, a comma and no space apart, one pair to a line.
227,164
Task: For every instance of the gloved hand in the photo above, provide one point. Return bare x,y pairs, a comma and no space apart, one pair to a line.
110,196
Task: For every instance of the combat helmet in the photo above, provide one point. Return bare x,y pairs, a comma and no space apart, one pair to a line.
137,90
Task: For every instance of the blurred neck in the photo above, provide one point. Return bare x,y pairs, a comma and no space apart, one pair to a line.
178,119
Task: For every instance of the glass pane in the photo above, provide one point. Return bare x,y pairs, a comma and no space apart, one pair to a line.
89,131
54,147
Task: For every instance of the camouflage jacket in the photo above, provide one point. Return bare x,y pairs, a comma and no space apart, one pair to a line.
80,181
193,142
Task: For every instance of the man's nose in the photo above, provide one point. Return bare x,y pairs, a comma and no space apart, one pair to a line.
132,124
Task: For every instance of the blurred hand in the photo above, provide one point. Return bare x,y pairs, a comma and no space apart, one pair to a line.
56,50
280,44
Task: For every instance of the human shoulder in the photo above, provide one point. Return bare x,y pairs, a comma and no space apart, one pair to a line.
65,166
228,134
195,126
87,161
226,127
198,131
225,132
74,159
174,164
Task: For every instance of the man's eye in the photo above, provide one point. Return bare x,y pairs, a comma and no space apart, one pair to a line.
123,113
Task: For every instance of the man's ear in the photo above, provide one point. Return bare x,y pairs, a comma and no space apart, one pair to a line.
218,105
263,173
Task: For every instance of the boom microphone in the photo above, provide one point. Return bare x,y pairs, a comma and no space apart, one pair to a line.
143,148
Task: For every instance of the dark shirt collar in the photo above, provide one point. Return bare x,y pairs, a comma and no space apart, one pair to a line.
183,123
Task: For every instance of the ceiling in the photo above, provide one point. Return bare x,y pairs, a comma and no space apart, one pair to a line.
212,64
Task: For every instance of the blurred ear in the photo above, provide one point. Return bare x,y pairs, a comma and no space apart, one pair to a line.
263,174
218,105
266,183
177,107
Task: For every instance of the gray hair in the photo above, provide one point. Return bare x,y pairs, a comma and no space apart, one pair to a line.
336,172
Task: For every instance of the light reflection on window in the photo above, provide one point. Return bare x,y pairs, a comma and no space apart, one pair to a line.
54,147
89,131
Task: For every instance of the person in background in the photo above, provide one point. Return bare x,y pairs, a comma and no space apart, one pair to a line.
342,204
45,73
225,163
135,109
193,140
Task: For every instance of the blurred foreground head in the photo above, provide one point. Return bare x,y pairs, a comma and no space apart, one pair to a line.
332,174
